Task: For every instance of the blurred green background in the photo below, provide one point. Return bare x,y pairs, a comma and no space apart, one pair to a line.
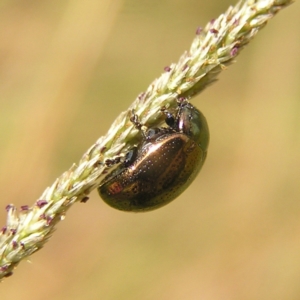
68,68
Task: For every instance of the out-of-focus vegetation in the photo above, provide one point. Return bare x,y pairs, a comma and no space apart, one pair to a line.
67,69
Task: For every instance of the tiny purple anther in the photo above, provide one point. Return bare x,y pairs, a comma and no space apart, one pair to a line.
214,31
141,95
49,220
234,51
43,216
167,69
4,268
24,207
14,244
41,203
3,230
13,231
199,30
103,149
236,22
185,67
9,207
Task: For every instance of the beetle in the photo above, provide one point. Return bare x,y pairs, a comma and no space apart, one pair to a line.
162,165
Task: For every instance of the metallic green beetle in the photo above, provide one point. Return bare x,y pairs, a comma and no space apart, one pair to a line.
164,164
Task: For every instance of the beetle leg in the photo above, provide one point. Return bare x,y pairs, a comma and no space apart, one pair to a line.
110,162
134,119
